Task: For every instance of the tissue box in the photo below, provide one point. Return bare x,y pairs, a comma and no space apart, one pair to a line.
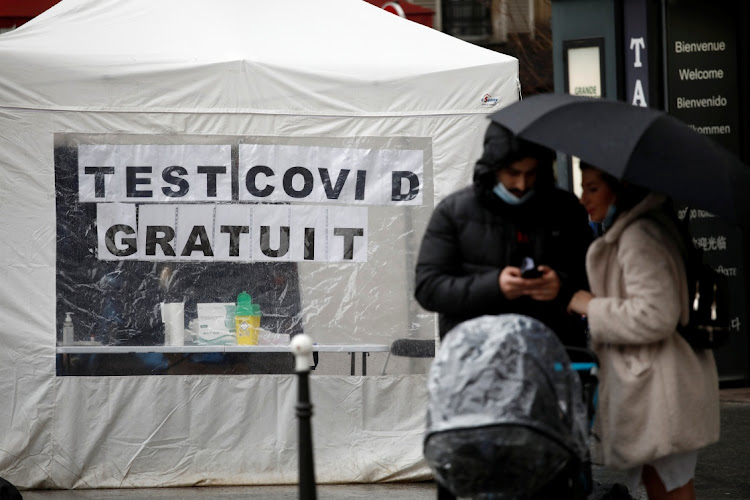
215,324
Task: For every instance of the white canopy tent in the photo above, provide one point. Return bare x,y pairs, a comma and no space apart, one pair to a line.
285,96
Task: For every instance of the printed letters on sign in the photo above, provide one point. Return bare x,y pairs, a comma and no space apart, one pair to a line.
182,202
235,233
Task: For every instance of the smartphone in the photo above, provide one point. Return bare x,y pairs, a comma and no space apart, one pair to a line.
529,269
531,273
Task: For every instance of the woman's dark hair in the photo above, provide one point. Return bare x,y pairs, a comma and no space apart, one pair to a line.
611,181
502,148
628,195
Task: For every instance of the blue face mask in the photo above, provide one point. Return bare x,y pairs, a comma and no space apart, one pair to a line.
502,192
609,218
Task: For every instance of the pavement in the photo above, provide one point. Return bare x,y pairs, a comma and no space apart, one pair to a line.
723,473
723,470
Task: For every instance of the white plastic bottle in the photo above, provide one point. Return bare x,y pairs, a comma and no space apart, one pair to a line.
68,329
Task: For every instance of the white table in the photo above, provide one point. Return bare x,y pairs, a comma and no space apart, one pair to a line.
352,349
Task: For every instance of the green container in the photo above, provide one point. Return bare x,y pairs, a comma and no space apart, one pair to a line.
247,320
244,304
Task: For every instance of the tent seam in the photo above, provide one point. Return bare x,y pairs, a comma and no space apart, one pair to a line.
243,111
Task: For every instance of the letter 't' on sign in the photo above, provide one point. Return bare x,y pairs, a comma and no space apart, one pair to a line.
234,233
347,235
99,173
232,237
637,44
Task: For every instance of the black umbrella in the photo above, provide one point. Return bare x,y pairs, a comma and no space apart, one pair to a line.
644,146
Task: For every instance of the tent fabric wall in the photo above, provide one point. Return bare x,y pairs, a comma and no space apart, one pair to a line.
169,69
371,442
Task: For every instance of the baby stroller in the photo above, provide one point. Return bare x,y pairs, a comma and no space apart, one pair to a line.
508,415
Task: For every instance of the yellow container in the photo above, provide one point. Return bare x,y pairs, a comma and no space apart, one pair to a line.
247,328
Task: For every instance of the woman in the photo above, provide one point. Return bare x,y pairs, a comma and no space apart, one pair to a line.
658,401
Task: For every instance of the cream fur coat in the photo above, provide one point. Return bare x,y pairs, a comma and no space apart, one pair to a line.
656,396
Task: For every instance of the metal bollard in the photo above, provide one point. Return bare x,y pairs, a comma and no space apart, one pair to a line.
302,347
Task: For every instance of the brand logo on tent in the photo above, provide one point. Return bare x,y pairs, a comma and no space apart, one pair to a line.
488,100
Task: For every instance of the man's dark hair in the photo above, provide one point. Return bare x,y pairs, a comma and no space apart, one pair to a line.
501,149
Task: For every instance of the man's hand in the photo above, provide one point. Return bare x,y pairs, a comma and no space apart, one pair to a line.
544,288
511,283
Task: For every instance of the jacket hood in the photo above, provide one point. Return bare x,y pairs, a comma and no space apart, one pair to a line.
501,148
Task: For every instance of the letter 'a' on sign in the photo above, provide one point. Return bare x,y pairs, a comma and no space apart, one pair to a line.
639,97
195,232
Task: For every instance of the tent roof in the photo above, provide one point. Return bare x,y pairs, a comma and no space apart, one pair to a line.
280,56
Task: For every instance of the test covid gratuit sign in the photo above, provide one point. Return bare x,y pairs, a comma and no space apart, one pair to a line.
284,203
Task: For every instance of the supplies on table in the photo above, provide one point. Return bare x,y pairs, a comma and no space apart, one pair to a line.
216,325
270,338
247,320
173,317
68,332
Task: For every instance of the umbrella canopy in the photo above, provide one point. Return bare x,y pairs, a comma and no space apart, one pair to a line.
644,146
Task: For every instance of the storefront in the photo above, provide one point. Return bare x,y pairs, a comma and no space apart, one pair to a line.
689,58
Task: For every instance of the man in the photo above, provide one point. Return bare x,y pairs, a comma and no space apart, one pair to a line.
481,237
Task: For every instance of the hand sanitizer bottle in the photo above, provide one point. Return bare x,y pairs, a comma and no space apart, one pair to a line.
68,336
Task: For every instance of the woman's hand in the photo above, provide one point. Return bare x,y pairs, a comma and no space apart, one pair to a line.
579,303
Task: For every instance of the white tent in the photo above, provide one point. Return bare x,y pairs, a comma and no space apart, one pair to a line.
333,119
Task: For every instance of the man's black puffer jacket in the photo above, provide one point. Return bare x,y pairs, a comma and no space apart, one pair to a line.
473,235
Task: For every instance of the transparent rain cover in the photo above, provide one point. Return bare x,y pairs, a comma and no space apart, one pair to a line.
505,408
